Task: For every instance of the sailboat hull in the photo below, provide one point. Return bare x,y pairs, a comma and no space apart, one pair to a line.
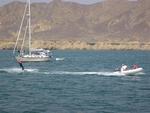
32,59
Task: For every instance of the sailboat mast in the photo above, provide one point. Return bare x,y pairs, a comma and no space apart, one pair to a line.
29,27
19,32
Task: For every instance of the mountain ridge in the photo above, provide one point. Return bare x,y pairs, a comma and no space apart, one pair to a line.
58,20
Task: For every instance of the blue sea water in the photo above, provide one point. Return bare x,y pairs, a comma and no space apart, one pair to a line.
76,82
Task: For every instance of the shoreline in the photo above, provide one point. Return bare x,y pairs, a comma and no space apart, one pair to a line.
81,45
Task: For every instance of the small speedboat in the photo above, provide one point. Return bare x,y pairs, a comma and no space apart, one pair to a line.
59,59
132,71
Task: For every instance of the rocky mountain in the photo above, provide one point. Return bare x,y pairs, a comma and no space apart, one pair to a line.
121,20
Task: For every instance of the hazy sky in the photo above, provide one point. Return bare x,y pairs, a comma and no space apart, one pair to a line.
79,1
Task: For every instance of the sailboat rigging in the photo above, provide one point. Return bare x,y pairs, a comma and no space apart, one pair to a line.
32,55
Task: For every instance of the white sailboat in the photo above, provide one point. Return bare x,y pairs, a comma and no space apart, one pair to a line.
31,55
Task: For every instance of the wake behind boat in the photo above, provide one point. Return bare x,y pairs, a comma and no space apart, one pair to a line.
131,71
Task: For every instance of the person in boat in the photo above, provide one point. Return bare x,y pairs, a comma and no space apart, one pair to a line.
135,66
123,67
20,64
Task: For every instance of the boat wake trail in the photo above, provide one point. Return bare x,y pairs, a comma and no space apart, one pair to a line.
17,70
86,73
38,72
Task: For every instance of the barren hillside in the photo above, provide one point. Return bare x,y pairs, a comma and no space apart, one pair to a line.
108,20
